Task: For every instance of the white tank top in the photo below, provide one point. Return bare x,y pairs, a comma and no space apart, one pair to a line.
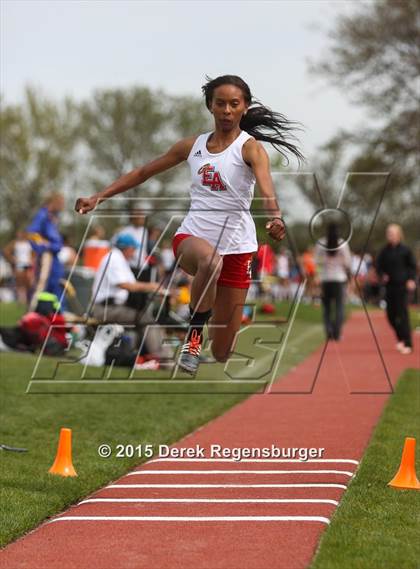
221,193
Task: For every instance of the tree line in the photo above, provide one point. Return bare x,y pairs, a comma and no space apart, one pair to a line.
78,148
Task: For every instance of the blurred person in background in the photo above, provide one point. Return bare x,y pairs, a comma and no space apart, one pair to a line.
67,254
137,229
158,274
139,264
359,270
333,262
265,269
46,241
372,287
396,267
19,254
154,234
114,280
295,276
308,266
95,247
167,257
266,261
416,297
183,296
283,273
7,281
154,254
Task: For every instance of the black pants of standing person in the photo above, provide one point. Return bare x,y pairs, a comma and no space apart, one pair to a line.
397,312
333,308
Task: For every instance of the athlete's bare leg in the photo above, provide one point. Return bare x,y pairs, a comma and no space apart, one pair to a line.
200,259
227,313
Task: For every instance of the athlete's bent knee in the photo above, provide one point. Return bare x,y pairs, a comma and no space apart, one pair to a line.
210,265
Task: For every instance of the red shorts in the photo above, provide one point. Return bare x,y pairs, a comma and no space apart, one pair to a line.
236,269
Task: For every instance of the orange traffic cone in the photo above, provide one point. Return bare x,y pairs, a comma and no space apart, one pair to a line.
406,476
63,464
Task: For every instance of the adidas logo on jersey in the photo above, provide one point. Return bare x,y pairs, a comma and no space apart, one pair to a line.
197,154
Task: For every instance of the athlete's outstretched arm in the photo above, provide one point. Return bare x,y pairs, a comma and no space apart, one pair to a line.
255,154
175,155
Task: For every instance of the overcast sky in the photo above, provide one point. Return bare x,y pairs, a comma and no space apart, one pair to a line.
73,47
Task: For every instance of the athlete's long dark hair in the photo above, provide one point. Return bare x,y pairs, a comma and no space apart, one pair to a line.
332,239
260,122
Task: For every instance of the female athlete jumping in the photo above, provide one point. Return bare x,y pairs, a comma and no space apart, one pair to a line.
217,238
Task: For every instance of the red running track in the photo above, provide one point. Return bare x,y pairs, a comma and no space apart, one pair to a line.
253,514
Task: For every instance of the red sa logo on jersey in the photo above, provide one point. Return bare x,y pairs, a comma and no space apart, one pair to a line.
210,177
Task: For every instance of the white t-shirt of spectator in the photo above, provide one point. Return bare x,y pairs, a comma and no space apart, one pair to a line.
282,262
23,254
65,254
140,234
168,258
359,266
112,271
333,268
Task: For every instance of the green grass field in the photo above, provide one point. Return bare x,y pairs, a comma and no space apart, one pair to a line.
376,526
33,420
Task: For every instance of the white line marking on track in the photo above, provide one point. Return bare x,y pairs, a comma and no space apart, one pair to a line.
214,500
257,460
226,486
139,472
192,519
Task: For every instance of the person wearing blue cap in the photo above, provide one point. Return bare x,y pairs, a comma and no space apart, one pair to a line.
114,280
136,228
125,241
